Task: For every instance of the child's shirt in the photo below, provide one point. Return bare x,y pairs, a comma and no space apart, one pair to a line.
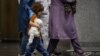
34,30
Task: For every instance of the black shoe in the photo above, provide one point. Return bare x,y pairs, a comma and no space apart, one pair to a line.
57,53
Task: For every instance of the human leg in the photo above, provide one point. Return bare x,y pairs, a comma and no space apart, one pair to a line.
52,45
31,37
23,42
32,47
77,47
41,49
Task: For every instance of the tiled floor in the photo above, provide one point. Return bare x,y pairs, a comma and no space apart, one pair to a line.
10,48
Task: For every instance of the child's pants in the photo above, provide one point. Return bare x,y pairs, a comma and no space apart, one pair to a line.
36,44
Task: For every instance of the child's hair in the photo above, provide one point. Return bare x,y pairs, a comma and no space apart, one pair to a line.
37,7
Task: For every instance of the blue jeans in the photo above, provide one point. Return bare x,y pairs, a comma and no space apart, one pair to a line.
36,44
23,42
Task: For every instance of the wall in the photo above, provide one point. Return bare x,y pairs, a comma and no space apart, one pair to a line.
87,21
8,19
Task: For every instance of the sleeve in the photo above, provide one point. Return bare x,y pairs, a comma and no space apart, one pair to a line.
30,13
27,4
33,18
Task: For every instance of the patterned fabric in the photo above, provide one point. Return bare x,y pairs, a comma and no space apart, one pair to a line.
45,18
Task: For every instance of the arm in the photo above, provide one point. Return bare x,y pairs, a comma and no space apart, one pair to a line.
27,5
31,22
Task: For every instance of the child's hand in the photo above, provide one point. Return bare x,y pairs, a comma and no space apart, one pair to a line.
37,26
34,25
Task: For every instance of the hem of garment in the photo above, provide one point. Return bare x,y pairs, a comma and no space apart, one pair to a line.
63,38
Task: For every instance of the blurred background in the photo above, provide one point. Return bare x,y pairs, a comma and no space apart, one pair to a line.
87,21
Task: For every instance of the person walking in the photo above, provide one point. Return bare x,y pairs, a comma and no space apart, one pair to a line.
62,25
24,15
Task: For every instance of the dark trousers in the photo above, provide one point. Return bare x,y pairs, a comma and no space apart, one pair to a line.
23,42
54,42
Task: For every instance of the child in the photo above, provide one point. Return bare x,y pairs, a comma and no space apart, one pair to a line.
35,30
35,23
